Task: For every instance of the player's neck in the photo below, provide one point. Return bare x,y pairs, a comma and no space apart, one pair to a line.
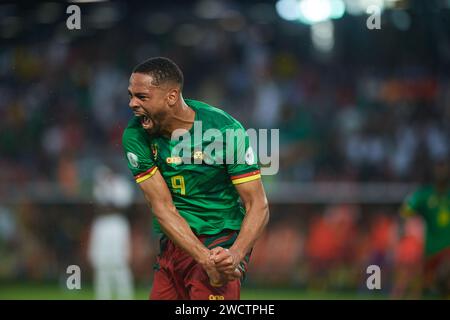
182,118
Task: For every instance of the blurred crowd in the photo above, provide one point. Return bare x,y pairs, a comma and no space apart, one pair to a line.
331,249
346,116
365,112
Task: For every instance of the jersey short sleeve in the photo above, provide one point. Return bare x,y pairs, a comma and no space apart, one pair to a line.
244,165
138,154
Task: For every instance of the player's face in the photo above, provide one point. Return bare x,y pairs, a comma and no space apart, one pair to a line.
148,102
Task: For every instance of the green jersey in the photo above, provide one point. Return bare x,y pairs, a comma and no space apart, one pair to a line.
434,207
198,171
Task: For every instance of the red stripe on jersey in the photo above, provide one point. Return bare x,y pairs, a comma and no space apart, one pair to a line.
245,175
144,173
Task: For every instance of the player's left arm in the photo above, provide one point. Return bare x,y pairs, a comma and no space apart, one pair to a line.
255,220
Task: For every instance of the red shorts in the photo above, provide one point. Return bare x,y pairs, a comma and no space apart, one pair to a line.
179,277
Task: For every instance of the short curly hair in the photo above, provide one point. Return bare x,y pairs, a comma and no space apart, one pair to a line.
162,70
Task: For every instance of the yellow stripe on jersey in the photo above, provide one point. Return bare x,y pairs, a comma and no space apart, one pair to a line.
246,177
145,175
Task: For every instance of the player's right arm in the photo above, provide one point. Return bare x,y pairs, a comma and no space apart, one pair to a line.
177,229
157,194
173,224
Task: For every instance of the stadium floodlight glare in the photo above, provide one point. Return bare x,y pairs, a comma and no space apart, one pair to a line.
313,11
288,9
337,9
310,11
359,7
322,36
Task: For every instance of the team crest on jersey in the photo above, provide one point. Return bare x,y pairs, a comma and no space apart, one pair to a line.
154,150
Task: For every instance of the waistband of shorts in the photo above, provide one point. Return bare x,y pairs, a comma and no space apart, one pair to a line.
224,239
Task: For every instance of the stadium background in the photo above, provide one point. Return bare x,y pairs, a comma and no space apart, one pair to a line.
362,115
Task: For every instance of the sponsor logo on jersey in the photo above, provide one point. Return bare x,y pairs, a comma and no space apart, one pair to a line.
174,160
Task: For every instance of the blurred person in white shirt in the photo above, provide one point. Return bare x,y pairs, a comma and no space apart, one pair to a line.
110,242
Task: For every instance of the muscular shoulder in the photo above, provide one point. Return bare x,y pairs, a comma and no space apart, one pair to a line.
137,149
133,127
213,117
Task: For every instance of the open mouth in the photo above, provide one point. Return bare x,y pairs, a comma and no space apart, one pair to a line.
144,118
146,121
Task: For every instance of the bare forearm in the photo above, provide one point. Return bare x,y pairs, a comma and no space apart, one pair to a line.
252,227
178,230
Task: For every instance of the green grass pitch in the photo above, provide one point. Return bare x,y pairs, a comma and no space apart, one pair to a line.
54,292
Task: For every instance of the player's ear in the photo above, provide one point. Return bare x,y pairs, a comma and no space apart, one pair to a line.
173,96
